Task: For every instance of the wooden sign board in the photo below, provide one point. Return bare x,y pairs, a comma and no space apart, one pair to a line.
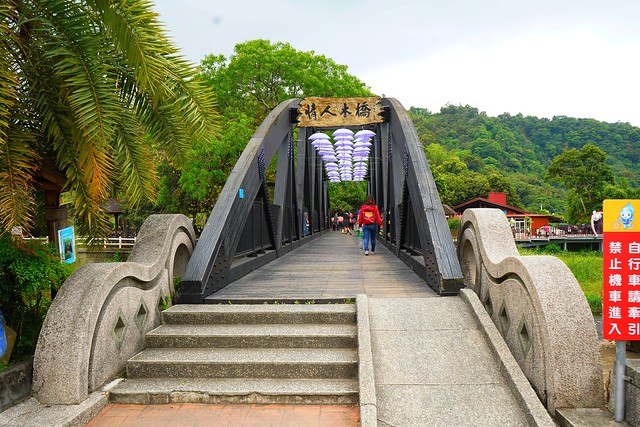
337,112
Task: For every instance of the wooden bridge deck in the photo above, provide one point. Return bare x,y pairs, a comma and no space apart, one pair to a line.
328,268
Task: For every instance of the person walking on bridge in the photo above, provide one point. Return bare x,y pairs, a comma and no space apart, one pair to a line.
347,222
369,219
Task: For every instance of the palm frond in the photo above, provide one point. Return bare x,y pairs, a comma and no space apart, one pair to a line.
132,159
92,82
160,77
16,156
17,166
197,106
138,37
8,77
90,95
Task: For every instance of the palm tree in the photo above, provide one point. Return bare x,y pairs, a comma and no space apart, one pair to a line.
96,86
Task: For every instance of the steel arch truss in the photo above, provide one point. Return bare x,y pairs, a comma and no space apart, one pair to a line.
415,229
255,220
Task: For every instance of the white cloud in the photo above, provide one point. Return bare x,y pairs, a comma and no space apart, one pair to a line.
572,74
576,58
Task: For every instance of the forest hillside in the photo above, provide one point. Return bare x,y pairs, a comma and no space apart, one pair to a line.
471,153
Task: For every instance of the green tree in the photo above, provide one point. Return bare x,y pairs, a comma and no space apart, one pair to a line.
204,176
498,182
585,173
347,196
96,86
259,75
436,154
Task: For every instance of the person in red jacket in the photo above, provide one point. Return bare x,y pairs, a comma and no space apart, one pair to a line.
369,219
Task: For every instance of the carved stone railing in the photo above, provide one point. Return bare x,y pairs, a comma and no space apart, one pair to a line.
539,309
102,312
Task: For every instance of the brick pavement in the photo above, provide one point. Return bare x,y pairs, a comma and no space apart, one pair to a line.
197,415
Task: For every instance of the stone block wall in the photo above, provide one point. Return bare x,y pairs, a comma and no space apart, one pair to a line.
15,383
632,393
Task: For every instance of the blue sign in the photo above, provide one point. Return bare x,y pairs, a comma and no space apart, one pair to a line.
3,336
67,245
241,193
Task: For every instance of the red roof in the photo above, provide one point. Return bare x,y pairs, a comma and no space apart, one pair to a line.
481,202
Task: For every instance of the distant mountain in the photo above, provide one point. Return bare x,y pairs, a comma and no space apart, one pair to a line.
520,148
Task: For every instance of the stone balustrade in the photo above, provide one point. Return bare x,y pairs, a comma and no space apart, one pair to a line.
99,317
539,309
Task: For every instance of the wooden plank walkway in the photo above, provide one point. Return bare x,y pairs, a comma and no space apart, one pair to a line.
329,268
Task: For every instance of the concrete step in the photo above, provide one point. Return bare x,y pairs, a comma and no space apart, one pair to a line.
149,391
268,353
255,335
243,363
264,313
586,417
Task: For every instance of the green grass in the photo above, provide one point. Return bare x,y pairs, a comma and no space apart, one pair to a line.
586,266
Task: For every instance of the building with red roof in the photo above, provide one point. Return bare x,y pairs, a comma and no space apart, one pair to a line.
517,217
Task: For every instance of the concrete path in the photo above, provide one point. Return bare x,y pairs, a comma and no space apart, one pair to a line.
433,367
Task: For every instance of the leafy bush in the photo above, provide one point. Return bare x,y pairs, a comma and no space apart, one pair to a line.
552,249
454,223
29,271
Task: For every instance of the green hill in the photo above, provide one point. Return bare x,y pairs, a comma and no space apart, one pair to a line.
471,153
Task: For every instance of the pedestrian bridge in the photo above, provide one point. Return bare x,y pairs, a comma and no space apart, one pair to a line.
255,222
466,335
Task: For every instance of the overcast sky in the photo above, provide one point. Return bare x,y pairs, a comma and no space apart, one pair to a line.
578,58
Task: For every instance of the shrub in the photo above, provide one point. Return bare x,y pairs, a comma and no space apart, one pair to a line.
29,271
553,249
454,223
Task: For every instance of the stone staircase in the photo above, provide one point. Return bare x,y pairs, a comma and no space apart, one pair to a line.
269,353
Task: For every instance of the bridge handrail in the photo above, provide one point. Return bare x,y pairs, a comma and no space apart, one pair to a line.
538,307
101,313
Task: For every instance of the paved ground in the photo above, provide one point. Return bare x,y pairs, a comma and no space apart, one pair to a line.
194,415
329,267
433,366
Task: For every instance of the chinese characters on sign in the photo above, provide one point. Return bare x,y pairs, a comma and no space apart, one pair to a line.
621,271
328,112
